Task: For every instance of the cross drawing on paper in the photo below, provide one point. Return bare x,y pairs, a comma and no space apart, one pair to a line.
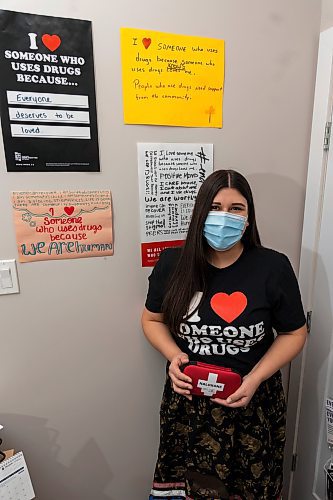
210,112
210,386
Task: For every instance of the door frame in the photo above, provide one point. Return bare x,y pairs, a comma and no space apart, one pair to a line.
322,112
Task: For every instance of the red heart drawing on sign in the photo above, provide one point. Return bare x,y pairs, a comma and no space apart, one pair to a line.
69,210
228,307
52,42
146,42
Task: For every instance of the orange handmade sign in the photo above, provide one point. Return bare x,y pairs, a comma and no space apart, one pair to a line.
62,224
172,79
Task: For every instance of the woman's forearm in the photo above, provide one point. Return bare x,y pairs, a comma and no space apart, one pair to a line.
284,348
159,336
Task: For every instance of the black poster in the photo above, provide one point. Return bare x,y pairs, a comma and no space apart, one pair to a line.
47,94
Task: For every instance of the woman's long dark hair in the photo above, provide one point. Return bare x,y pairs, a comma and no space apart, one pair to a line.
189,274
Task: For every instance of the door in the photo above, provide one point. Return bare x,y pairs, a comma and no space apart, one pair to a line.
313,374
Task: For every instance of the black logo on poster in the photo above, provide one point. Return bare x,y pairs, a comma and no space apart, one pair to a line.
47,93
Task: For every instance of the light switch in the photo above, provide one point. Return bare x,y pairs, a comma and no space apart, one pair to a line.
8,277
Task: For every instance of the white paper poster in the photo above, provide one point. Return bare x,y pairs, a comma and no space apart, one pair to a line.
15,483
329,420
170,176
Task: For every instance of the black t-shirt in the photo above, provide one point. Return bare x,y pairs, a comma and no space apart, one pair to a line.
233,326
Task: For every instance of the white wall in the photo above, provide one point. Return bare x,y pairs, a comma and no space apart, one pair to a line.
79,386
326,15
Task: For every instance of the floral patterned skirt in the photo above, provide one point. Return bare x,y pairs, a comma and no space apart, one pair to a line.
208,451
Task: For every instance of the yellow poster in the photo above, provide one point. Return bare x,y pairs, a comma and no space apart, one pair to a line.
172,79
62,224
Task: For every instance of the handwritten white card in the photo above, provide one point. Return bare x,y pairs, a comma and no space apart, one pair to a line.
170,175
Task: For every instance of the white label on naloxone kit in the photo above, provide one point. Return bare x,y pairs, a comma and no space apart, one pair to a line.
210,386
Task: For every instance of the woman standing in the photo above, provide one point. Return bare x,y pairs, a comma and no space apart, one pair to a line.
225,300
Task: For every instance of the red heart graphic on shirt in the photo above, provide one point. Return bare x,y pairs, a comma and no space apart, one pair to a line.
69,210
146,42
228,307
52,42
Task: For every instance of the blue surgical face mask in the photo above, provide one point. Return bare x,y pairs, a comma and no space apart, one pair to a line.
223,230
